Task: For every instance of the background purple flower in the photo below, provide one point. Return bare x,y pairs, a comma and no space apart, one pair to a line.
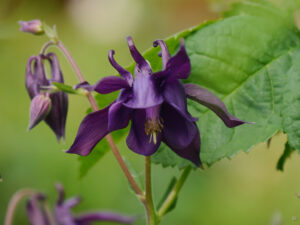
37,214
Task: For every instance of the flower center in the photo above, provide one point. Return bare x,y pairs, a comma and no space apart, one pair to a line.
153,124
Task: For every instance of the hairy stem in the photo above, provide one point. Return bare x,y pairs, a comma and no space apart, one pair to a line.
94,106
174,193
149,206
12,206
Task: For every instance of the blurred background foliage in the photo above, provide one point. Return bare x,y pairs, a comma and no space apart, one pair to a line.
245,190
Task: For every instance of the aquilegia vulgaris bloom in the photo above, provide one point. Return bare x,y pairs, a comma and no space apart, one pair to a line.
156,104
51,107
62,215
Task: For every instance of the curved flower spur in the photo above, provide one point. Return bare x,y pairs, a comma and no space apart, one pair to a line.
156,104
51,107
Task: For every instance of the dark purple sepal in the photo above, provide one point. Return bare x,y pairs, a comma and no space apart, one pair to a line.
174,95
89,218
178,131
110,84
190,152
118,116
137,139
39,109
92,129
208,99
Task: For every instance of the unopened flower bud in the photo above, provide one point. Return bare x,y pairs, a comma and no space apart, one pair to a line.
32,26
39,109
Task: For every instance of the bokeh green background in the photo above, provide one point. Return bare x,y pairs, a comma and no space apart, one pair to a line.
245,190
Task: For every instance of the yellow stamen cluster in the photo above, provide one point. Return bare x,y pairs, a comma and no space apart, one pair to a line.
152,127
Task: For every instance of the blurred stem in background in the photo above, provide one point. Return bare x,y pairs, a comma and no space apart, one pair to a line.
14,202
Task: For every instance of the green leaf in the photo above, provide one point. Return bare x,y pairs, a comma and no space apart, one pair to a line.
251,60
65,88
285,155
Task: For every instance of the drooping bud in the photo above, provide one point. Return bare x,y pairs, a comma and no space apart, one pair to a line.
39,109
35,81
32,26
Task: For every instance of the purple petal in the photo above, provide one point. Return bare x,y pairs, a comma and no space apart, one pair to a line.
141,63
88,218
191,152
165,54
124,73
118,116
39,109
137,140
91,130
211,101
178,131
110,84
35,214
174,94
178,67
144,94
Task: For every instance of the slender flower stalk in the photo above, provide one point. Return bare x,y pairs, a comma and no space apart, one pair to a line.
94,106
149,206
174,193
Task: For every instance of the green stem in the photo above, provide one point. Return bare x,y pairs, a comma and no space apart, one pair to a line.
174,193
149,206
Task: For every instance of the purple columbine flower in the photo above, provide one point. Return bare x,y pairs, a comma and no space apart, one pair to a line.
32,26
62,215
36,80
156,105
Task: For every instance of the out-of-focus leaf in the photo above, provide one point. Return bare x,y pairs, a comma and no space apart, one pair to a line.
250,59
